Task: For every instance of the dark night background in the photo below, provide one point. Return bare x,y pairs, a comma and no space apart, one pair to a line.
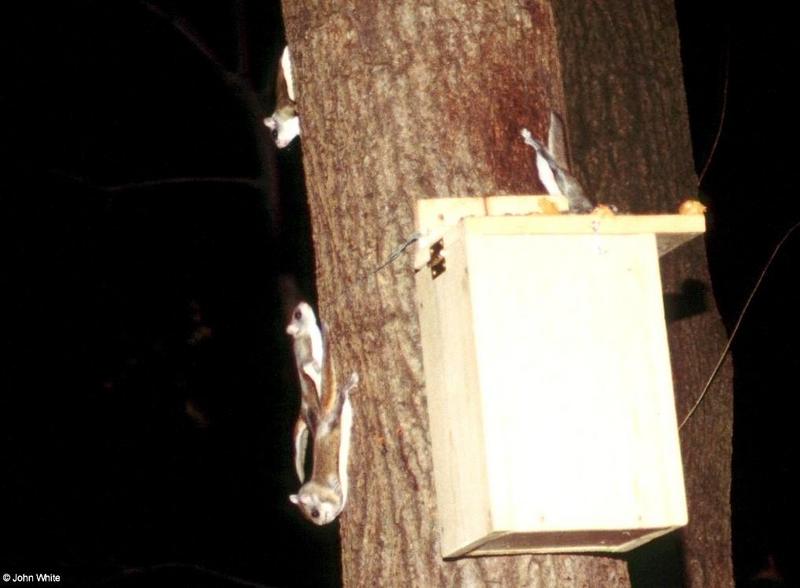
147,398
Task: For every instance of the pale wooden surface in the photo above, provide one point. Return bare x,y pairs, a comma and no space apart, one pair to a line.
433,216
534,214
560,542
451,370
671,230
434,212
549,386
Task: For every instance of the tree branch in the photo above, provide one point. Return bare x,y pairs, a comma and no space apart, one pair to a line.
143,571
185,30
251,182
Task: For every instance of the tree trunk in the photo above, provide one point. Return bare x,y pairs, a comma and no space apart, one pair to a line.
419,99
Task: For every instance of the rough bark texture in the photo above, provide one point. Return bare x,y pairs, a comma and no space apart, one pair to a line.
422,99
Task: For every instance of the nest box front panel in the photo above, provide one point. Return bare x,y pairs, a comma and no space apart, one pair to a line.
576,388
549,388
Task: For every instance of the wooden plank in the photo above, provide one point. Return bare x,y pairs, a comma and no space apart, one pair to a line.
438,213
575,380
433,216
671,230
533,214
617,541
549,386
454,408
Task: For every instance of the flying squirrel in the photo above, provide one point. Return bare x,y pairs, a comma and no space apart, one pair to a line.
327,413
284,122
308,356
551,163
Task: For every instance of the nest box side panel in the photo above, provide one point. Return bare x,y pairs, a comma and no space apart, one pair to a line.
579,418
453,400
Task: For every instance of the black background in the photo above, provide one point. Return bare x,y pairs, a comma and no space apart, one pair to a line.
147,395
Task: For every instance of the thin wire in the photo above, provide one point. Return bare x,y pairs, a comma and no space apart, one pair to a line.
402,248
721,116
398,251
393,256
737,325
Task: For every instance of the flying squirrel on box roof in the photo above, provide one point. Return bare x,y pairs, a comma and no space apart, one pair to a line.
551,163
326,413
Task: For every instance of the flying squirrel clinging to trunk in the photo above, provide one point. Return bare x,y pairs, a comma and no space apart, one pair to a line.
284,122
325,412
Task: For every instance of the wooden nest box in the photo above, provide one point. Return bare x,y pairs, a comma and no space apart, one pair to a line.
548,377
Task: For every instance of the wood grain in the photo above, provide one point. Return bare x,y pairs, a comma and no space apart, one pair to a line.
521,358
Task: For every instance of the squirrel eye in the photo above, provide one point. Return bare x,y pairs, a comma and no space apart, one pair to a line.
315,513
298,315
274,133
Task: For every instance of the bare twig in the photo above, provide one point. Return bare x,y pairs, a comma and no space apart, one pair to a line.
179,565
251,182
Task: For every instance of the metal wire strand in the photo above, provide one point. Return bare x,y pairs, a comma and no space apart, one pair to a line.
735,330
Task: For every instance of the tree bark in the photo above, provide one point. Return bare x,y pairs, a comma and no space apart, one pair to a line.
629,131
423,99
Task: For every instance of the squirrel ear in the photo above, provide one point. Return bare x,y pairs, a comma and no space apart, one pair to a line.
294,499
270,123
